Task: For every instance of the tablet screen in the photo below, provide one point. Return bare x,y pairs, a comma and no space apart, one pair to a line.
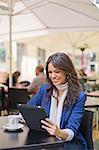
33,116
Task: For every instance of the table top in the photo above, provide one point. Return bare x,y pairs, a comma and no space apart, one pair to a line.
26,139
92,99
93,94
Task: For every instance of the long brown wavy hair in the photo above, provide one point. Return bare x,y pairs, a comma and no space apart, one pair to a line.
62,62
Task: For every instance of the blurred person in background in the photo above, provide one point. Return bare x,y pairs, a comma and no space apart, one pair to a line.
82,73
38,80
83,79
3,79
15,78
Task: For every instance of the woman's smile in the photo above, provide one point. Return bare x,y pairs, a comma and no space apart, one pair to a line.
56,76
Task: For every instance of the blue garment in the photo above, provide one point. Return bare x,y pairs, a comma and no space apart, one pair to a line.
71,117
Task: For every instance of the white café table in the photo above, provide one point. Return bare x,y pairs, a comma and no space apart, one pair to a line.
93,102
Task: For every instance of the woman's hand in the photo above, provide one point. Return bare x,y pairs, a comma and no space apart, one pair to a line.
53,129
50,127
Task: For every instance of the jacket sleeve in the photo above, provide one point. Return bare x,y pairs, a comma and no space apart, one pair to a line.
76,113
37,98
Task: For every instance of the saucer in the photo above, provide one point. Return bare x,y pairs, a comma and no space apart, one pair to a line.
12,128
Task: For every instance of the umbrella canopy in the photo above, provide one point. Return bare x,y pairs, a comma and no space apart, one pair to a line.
33,17
23,18
69,41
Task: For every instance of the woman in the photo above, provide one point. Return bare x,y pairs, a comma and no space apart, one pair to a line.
15,77
63,102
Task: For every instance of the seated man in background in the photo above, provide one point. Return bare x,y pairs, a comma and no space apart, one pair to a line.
38,80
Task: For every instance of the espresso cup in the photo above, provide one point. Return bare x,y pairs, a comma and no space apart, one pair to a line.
13,121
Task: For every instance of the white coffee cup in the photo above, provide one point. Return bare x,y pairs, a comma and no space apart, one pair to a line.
13,121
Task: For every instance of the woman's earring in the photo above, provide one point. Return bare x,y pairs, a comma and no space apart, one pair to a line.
67,77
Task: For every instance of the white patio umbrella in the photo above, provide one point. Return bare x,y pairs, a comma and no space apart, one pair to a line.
22,18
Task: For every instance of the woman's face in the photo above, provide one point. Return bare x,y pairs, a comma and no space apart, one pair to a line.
56,76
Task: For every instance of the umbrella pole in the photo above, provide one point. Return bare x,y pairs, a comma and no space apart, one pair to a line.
10,50
82,59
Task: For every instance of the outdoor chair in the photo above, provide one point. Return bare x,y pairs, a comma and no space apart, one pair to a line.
86,128
17,96
24,83
2,97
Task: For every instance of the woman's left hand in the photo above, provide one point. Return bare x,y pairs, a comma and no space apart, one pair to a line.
50,127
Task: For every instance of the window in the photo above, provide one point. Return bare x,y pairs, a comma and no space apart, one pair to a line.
41,56
2,55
